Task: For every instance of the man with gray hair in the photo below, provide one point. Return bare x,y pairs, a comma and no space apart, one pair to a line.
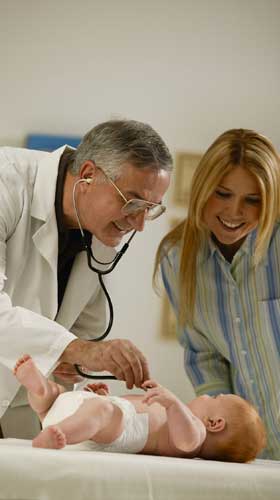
54,206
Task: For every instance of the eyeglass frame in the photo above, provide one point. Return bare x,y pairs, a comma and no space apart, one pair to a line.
148,204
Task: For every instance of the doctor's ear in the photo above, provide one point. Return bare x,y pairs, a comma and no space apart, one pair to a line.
88,171
215,424
88,180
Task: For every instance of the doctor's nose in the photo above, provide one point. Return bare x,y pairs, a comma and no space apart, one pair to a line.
137,221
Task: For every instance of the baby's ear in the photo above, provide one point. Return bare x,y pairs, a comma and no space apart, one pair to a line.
214,424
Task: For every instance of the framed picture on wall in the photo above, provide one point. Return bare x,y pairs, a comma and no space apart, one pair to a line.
185,165
49,142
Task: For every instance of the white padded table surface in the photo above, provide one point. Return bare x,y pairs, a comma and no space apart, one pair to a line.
72,474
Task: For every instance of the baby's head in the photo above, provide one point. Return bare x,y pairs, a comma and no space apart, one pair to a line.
235,431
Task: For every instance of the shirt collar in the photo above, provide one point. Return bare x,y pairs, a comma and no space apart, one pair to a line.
65,160
209,248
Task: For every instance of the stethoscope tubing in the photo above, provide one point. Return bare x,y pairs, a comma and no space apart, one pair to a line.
112,264
100,273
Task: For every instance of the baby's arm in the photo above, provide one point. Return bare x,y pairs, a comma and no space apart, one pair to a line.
186,431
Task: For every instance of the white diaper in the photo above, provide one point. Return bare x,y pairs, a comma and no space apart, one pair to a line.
136,425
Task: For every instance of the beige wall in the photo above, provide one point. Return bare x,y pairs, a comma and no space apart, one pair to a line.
191,68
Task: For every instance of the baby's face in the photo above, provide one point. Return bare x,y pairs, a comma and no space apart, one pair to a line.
213,406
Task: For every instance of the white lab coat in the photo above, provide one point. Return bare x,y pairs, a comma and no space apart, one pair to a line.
29,322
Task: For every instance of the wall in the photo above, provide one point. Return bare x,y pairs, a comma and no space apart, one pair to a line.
190,68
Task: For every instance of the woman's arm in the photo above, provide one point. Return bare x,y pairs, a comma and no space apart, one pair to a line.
208,370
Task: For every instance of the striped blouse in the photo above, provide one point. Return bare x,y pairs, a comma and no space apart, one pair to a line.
234,345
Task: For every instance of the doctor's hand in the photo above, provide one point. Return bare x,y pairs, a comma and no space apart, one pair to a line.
67,373
118,356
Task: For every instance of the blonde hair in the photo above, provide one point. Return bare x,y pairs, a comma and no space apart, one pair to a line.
244,438
236,147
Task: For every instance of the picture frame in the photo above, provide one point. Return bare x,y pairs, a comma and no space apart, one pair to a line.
185,165
49,142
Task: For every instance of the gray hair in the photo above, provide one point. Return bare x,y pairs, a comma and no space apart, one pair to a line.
113,143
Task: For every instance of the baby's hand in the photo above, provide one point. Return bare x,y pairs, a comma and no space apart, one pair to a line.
156,393
98,388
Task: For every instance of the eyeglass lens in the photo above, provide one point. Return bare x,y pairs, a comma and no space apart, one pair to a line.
135,206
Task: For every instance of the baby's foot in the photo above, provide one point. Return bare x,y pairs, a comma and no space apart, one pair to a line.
51,437
20,361
28,375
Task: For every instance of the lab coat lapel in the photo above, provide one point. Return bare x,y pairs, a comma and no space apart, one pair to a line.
81,286
46,241
45,236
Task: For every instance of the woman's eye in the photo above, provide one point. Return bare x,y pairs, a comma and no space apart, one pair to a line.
222,194
253,201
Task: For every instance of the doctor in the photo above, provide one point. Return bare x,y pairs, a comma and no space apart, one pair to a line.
51,304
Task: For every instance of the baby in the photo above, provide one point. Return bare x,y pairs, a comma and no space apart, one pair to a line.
225,427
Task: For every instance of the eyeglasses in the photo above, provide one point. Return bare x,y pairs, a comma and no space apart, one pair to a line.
136,206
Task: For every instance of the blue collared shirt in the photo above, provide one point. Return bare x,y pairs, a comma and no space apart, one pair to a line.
234,345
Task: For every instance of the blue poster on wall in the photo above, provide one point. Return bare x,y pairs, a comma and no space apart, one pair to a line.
46,142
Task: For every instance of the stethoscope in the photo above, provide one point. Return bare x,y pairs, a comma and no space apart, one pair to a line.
100,273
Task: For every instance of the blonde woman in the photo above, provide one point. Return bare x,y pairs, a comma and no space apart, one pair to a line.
221,271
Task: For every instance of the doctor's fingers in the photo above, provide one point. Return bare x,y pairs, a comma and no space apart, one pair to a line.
67,373
68,378
121,370
127,363
124,369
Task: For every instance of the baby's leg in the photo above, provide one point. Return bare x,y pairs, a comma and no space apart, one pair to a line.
41,391
96,419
